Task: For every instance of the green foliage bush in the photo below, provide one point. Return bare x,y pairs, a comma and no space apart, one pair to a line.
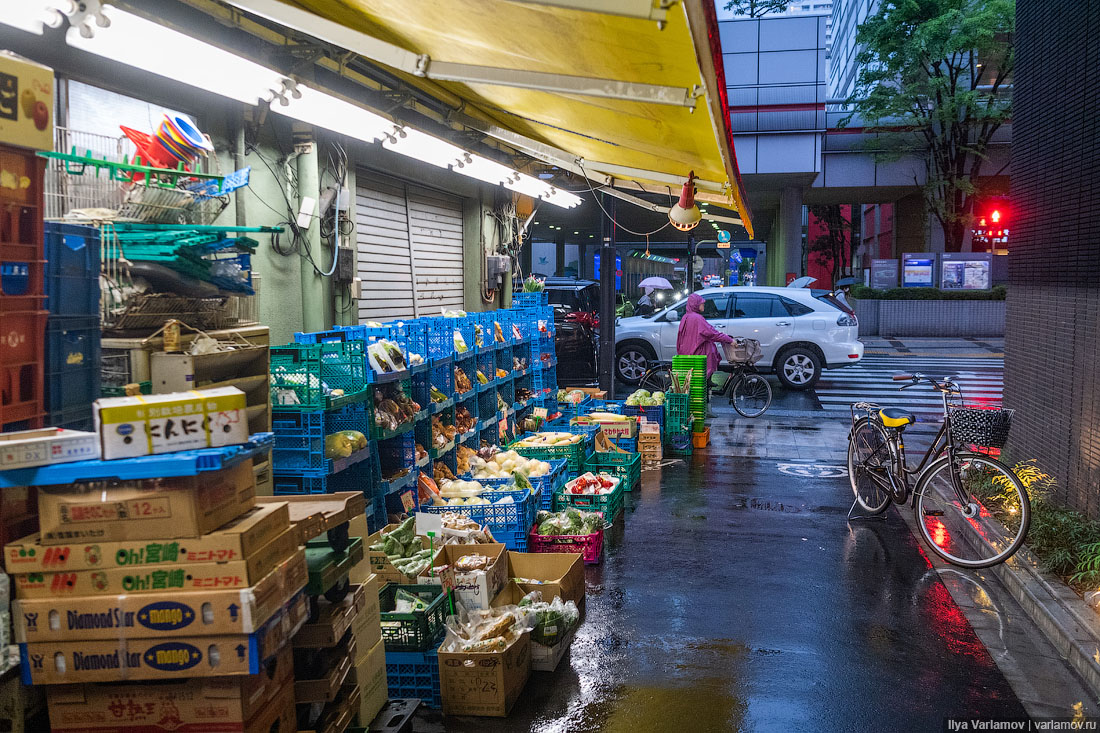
860,292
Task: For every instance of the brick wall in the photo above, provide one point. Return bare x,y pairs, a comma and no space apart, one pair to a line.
1052,349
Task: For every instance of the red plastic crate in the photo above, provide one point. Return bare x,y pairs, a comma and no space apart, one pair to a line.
590,546
21,232
22,342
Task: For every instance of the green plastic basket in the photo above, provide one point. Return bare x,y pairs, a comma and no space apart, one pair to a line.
574,454
416,631
677,413
627,467
609,505
302,373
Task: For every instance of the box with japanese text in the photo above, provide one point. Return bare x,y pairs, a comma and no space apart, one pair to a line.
544,657
29,448
165,423
475,589
214,703
242,539
484,683
146,579
26,106
145,509
161,657
196,613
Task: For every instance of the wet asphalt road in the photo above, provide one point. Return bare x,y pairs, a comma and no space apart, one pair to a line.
734,596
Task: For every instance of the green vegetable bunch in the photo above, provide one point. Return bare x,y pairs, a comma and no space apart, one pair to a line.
570,522
644,398
404,549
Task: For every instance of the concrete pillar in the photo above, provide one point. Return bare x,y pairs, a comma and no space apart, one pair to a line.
316,290
910,224
559,256
790,227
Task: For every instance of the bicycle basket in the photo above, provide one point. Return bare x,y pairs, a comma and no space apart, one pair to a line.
743,351
986,428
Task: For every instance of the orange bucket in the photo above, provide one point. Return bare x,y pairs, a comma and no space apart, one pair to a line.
701,440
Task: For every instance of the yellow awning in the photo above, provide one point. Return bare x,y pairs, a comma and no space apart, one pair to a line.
628,87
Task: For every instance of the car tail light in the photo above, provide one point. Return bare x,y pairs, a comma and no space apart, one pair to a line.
847,320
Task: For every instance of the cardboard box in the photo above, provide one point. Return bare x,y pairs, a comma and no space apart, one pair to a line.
626,428
26,106
201,613
29,448
559,574
241,539
216,703
334,620
147,509
145,579
476,589
177,657
165,423
484,683
370,674
544,658
380,564
367,627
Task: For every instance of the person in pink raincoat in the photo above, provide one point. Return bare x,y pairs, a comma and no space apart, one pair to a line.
697,337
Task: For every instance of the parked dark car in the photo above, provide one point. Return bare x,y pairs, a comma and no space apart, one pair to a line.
576,304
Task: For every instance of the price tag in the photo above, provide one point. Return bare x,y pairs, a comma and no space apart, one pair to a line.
540,412
408,500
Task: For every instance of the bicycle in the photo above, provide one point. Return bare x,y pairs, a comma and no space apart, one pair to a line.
971,509
748,390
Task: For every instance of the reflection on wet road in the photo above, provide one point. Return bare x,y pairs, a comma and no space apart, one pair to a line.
737,597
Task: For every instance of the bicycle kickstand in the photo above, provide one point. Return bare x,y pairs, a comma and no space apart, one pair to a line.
852,516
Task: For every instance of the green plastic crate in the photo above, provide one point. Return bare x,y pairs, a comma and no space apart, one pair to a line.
609,505
301,374
677,413
416,631
627,467
574,454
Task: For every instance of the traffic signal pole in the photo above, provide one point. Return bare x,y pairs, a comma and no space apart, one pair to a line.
606,366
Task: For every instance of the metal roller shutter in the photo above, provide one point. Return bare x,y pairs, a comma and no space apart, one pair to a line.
389,264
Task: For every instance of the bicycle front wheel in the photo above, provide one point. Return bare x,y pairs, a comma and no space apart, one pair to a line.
657,379
751,395
972,510
869,461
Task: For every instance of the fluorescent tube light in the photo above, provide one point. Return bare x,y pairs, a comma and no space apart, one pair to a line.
332,113
423,147
528,185
564,199
483,169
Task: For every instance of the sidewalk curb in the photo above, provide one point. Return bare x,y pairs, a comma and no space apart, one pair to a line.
1070,624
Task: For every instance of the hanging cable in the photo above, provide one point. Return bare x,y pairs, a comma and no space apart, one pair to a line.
609,216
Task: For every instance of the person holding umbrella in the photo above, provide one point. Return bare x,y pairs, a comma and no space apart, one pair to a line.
645,303
843,288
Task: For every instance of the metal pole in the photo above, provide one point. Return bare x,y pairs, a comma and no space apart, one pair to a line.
692,249
607,301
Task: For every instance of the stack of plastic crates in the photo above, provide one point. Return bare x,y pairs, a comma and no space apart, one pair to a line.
678,424
509,522
305,376
574,454
412,336
697,366
412,642
521,299
440,338
464,327
608,505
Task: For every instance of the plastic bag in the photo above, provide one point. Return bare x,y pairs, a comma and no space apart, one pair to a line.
460,343
488,630
379,359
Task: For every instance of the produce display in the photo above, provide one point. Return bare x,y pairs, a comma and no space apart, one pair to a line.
542,440
385,357
421,453
426,489
502,374
571,522
498,332
462,382
393,408
442,434
437,394
554,620
592,483
523,394
441,471
460,343
574,396
502,406
546,359
508,463
481,378
516,333
344,443
465,455
460,489
404,549
489,630
533,285
479,335
518,364
644,398
464,421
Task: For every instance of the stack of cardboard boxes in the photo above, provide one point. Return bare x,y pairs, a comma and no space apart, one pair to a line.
649,442
179,579
370,662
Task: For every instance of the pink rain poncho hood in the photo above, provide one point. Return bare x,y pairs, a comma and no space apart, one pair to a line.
697,337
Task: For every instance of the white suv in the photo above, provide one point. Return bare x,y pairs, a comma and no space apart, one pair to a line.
800,331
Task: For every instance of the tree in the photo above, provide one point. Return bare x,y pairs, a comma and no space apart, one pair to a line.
832,247
935,77
757,8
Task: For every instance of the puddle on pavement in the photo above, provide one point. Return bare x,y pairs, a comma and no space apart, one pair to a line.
707,703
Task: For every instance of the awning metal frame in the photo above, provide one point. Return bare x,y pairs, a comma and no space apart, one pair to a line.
642,9
424,66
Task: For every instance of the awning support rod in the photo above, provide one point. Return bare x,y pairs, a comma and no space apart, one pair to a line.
642,9
424,66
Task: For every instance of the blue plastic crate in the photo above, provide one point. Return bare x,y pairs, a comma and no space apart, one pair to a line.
72,363
522,299
163,465
397,452
72,270
509,522
628,444
76,418
412,335
414,675
300,438
440,337
15,278
464,325
358,477
652,413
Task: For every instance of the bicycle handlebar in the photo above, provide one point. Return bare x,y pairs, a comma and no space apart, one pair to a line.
903,377
945,385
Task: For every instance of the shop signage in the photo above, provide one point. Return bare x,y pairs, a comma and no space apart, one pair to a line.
884,274
918,271
966,271
26,103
